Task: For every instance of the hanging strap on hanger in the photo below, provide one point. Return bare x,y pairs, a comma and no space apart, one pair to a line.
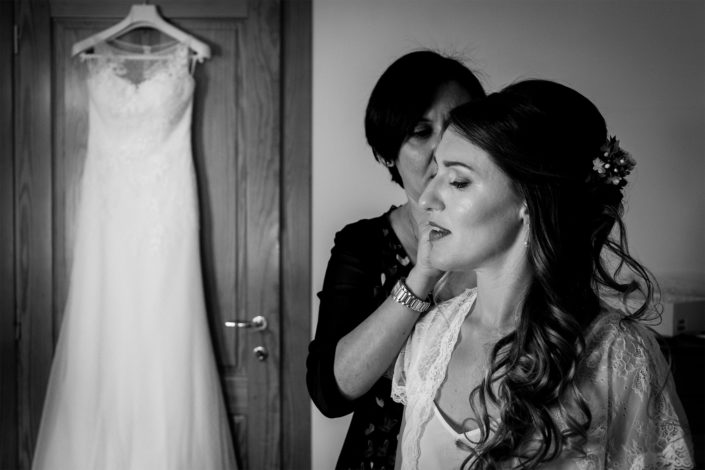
144,16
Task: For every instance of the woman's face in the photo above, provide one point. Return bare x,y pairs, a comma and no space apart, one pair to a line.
475,213
416,152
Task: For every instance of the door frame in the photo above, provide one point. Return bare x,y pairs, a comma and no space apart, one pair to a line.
26,222
8,341
296,111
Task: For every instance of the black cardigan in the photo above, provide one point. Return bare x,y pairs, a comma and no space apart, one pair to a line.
366,261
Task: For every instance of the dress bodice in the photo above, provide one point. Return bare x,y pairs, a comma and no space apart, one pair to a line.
139,107
138,162
143,96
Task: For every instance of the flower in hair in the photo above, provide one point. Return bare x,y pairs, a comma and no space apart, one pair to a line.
613,164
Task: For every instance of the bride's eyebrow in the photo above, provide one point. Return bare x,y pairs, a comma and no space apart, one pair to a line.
453,163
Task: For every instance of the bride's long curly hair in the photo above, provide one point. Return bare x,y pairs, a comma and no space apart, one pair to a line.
545,137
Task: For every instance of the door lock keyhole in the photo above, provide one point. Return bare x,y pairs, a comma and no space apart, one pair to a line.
260,353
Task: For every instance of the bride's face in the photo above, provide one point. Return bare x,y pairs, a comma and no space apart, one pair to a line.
476,214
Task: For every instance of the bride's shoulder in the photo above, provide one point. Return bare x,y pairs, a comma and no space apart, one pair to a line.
613,324
615,336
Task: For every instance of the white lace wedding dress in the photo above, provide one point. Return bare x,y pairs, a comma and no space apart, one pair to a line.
134,384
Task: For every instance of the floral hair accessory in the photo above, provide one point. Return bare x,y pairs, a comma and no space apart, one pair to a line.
613,164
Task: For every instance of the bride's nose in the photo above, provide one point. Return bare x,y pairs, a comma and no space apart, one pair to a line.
429,199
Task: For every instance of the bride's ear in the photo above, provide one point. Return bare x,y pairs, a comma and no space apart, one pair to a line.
524,213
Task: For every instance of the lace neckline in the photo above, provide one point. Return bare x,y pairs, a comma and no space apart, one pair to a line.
135,65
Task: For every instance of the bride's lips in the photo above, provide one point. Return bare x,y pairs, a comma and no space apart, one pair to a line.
437,232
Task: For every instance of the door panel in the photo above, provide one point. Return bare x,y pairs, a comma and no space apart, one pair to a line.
236,149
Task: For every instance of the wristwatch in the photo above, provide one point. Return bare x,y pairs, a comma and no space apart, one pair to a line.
401,294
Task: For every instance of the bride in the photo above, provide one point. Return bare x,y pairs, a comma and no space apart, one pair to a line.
530,369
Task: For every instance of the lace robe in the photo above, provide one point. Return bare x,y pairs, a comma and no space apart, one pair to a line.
637,418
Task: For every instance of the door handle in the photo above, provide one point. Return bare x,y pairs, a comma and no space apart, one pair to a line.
258,323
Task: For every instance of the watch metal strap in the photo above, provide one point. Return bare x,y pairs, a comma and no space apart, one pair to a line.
401,294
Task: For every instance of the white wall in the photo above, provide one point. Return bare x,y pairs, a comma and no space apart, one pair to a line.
641,62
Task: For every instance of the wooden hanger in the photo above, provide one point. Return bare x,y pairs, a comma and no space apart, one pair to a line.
144,16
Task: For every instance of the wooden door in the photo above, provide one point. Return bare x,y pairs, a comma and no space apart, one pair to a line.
252,265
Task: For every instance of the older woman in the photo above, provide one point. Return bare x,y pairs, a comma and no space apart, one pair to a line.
377,279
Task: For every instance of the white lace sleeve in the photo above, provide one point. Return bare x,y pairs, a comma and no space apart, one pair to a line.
399,378
636,410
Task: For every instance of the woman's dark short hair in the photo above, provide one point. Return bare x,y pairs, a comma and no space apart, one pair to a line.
403,94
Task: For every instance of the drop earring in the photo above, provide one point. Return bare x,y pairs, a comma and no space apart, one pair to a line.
528,231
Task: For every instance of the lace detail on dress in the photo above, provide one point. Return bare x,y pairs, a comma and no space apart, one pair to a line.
421,368
140,143
141,85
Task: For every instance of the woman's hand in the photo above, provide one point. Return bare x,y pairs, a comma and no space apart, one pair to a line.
423,276
423,252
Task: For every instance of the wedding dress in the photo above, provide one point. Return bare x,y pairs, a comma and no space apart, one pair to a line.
134,384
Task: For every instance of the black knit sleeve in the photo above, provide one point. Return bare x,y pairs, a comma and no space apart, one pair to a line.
351,292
